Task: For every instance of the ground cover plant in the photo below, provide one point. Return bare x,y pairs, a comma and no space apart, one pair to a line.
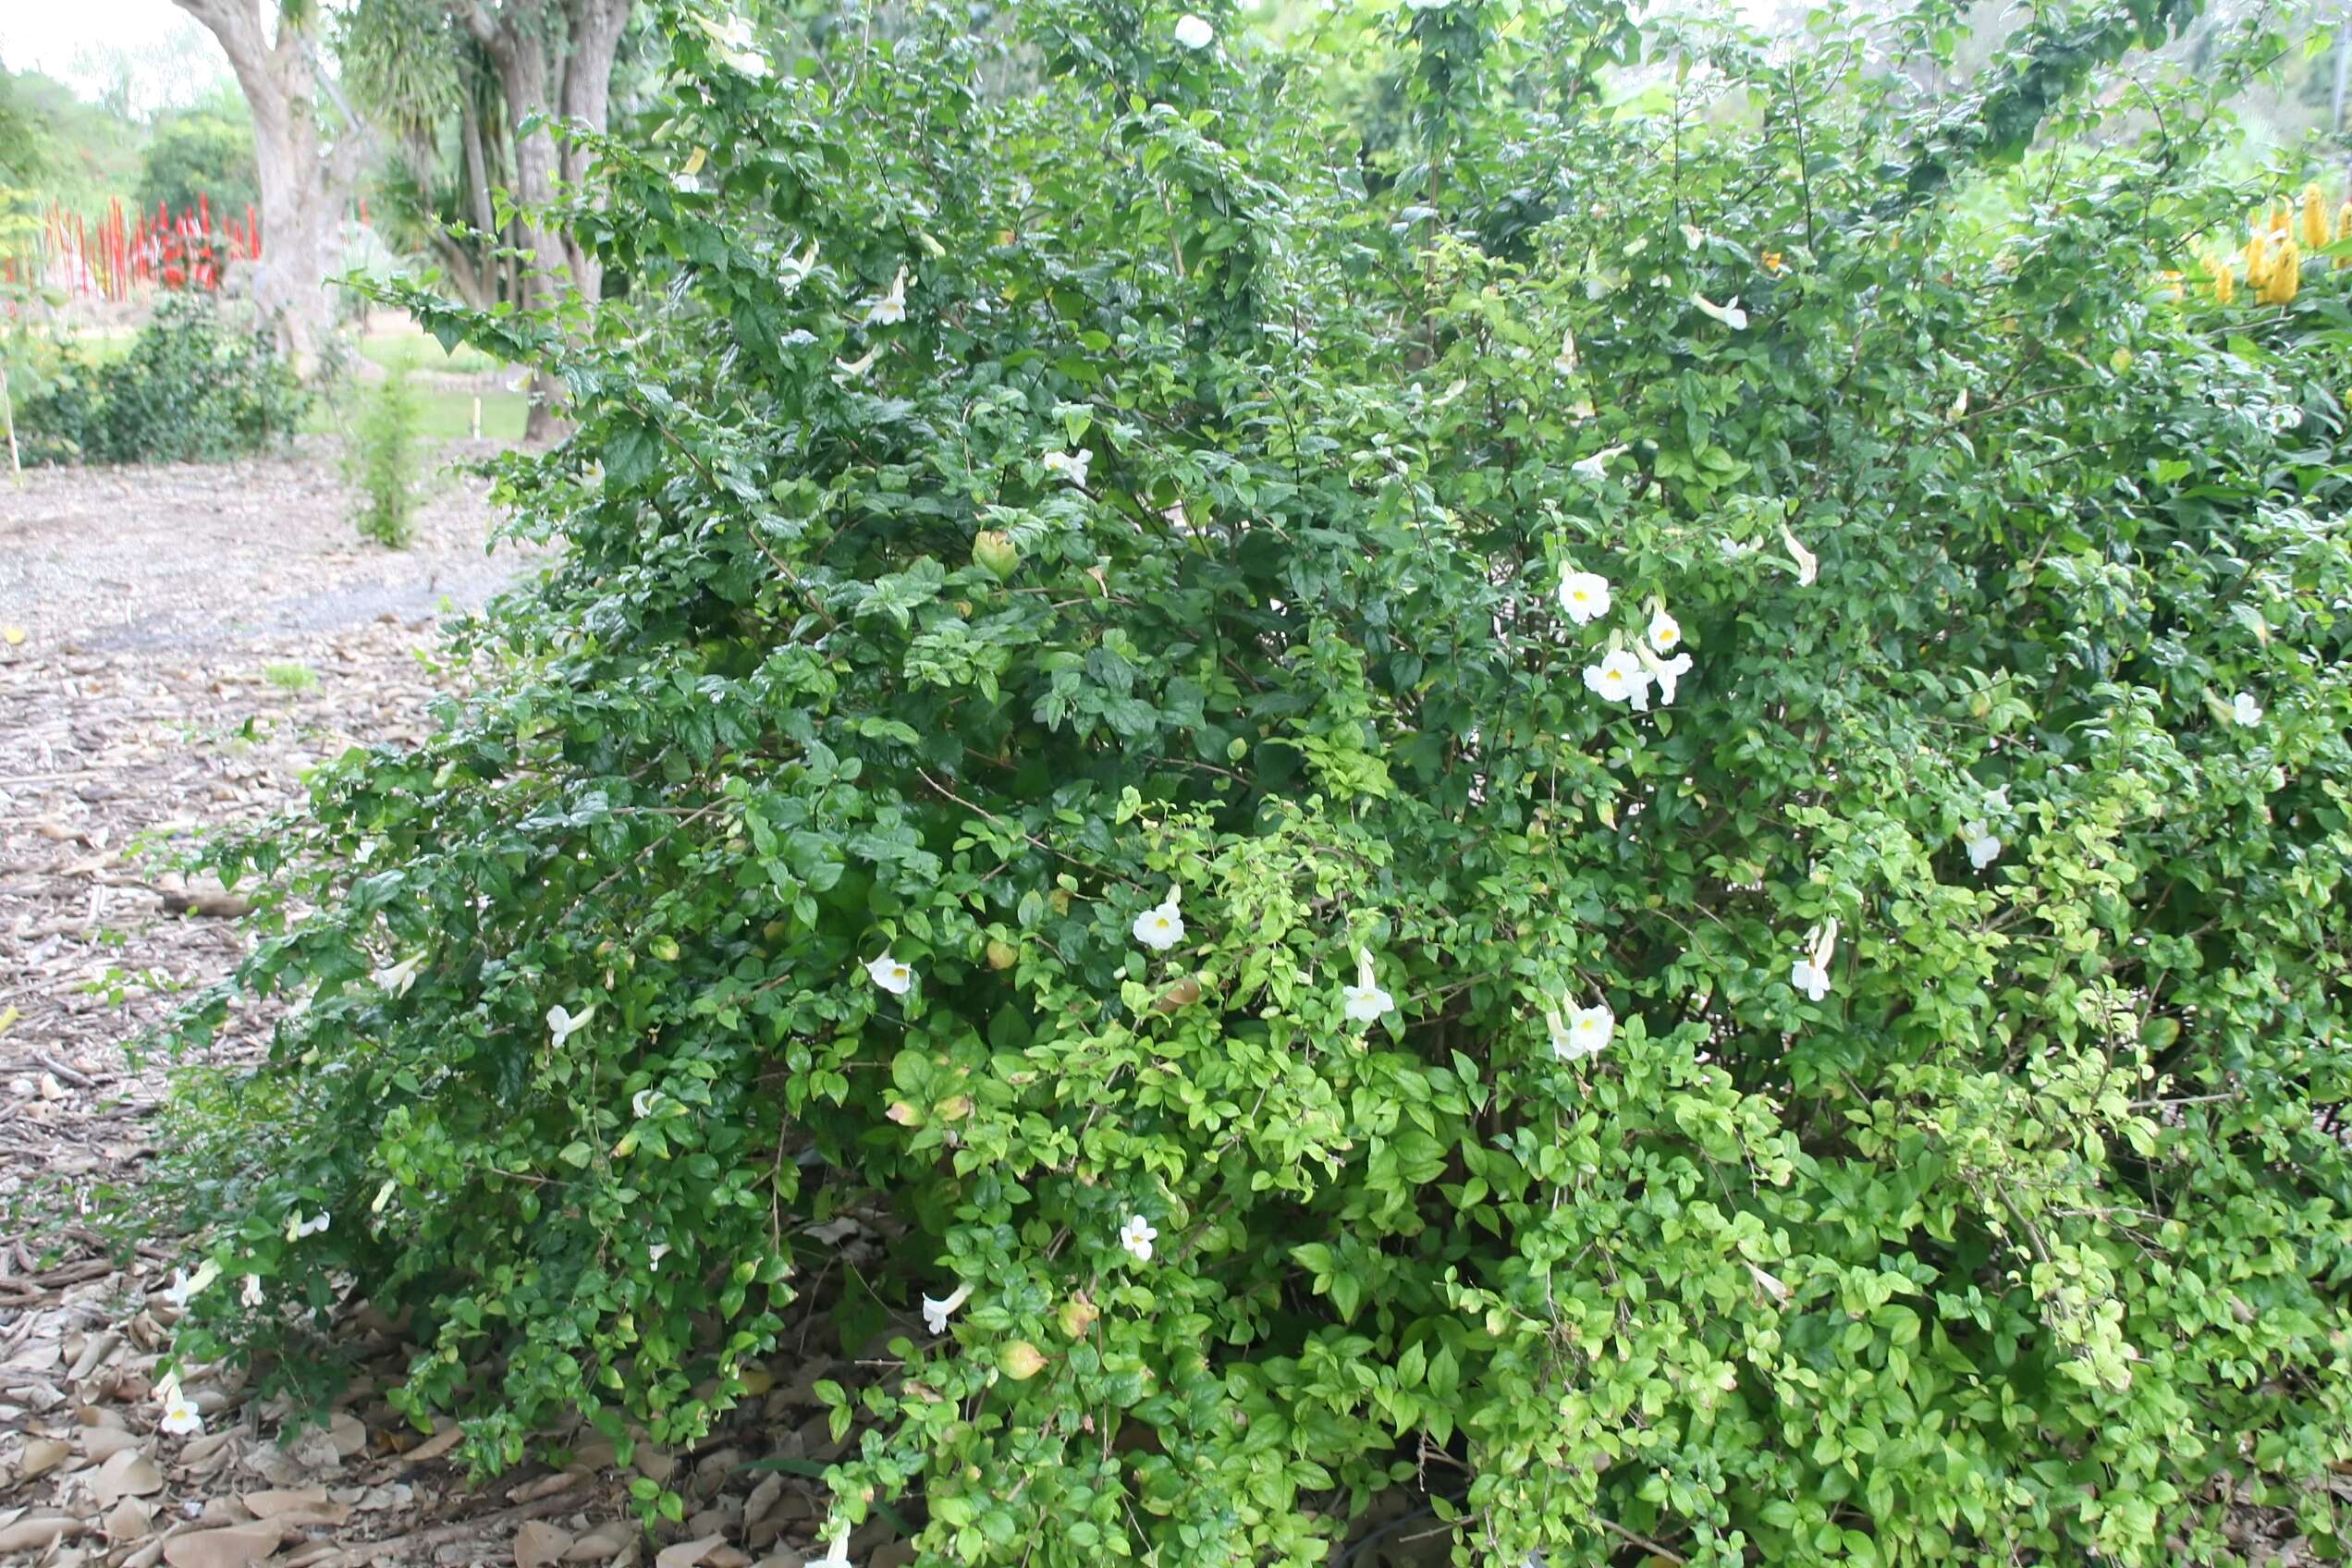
1619,800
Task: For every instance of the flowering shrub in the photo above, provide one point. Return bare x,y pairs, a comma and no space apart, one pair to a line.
1379,846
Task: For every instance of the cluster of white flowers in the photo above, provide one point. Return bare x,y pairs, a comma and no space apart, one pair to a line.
739,47
1626,675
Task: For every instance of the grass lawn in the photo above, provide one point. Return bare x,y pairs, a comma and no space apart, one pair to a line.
443,416
421,351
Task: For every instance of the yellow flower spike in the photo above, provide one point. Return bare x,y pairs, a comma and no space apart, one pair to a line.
2258,263
2315,218
2286,274
2225,278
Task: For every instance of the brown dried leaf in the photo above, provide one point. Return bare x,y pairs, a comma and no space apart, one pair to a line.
685,1554
126,1473
540,1545
128,1520
40,1456
238,1546
40,1531
270,1505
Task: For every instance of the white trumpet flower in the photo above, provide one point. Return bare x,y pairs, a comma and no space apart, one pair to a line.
1729,313
563,1025
1982,846
1619,678
1071,466
1137,1236
1808,564
1594,468
1583,595
1194,32
1365,1002
1810,974
185,1285
837,1551
1161,928
890,974
1668,673
938,1310
891,310
1586,1031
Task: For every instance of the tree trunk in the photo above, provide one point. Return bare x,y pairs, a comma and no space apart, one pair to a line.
303,183
553,71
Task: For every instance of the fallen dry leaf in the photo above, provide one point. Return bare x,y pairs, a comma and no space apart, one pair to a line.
539,1544
600,1545
270,1505
685,1554
128,1520
445,1436
105,1442
40,1456
238,1546
128,1473
40,1530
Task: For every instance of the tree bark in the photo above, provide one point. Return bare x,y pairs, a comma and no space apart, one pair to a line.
553,59
304,182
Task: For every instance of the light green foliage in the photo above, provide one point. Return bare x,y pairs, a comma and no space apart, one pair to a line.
383,458
292,677
207,151
2024,1240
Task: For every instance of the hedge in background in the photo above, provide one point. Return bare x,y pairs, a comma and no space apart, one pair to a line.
191,389
1627,809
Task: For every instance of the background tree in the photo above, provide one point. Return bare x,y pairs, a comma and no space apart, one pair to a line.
207,151
309,149
554,61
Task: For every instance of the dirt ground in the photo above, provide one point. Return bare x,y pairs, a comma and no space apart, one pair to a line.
178,645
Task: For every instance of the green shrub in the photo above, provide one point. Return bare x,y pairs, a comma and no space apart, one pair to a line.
1077,729
191,389
383,460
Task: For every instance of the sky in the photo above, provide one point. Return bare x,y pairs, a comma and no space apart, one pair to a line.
155,49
